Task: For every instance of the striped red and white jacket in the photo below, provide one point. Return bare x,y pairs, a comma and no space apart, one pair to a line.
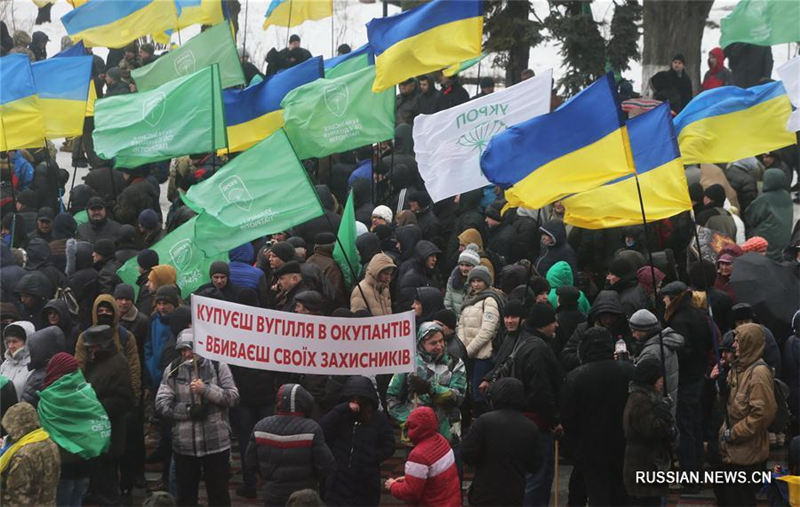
431,476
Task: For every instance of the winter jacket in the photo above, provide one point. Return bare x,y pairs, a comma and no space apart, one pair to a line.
674,87
560,275
371,295
92,231
38,285
607,301
358,446
717,75
138,196
10,274
632,296
42,345
109,376
560,250
83,280
244,275
648,426
480,321
288,449
447,377
751,402
526,356
327,223
154,349
15,366
451,95
500,239
430,225
323,259
70,329
38,251
770,214
124,344
651,347
749,63
431,477
456,291
31,476
693,324
503,447
406,107
743,181
211,434
416,275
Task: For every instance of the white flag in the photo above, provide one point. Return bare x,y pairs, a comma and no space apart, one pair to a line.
789,73
448,144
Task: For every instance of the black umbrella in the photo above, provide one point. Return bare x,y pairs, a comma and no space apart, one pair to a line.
772,290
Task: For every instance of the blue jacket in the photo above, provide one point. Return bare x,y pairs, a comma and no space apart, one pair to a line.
363,170
160,334
243,274
23,170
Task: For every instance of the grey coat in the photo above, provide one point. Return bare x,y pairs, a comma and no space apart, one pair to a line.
652,348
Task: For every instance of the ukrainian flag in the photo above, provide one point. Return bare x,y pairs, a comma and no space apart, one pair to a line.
659,169
115,24
731,123
296,12
350,62
63,87
199,12
21,124
427,38
576,148
255,113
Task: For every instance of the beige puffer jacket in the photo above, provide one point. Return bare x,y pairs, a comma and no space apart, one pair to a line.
378,299
751,402
479,322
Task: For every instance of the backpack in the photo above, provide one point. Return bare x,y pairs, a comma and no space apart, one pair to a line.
781,392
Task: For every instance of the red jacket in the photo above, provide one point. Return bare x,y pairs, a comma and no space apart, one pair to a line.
718,75
431,476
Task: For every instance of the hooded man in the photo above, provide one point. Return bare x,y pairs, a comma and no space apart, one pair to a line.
716,75
645,330
622,279
56,313
324,243
287,468
607,312
38,251
714,215
770,214
42,345
427,302
554,247
420,271
34,290
17,356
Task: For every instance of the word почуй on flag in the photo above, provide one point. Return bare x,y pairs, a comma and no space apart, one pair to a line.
448,144
254,337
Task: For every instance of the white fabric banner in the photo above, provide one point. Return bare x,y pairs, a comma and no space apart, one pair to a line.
280,341
448,144
789,73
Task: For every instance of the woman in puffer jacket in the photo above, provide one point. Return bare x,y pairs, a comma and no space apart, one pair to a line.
480,322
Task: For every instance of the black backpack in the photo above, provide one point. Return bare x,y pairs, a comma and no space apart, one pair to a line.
781,392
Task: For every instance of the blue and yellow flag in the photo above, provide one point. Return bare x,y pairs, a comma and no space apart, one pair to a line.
80,50
576,148
63,87
350,62
199,12
115,24
731,123
430,37
21,124
296,12
659,169
255,113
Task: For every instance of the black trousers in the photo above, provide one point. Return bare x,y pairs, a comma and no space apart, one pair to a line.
214,469
739,493
131,465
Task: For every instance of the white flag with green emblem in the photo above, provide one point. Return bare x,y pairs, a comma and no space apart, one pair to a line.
448,144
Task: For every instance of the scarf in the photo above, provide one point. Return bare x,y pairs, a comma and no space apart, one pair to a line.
34,436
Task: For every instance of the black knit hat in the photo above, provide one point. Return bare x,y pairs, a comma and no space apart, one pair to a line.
647,371
168,293
446,317
541,314
104,247
147,258
716,193
283,250
742,311
679,57
124,291
289,268
567,294
219,268
420,196
621,267
515,308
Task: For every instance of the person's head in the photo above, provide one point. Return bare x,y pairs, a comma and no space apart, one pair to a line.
289,276
447,319
619,268
304,498
15,335
294,41
678,62
279,254
219,273
124,296
44,220
649,373
430,339
725,265
430,261
416,305
742,313
672,291
468,259
343,49
381,215
514,315
714,195
547,240
643,324
726,351
426,84
131,51
487,85
479,279
103,250
167,299
309,302
526,74
146,51
756,244
542,318
299,247
541,289
148,220
105,310
184,344
160,275
113,75
769,159
408,86
385,276
96,209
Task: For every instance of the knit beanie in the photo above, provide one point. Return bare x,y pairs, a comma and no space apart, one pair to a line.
647,371
168,293
283,250
515,308
470,255
621,267
755,244
124,291
446,317
104,247
541,314
180,319
643,320
163,274
60,364
149,219
219,268
383,212
716,193
568,295
147,258
481,273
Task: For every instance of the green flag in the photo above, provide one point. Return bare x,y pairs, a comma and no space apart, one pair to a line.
178,118
215,45
460,67
180,249
348,66
334,115
762,22
347,258
262,191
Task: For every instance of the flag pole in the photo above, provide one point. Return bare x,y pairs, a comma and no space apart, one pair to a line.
333,49
289,23
244,37
213,122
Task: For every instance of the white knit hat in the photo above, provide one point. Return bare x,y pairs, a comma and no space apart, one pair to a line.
470,255
383,212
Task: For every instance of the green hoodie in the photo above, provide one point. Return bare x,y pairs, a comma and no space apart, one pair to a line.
770,214
560,275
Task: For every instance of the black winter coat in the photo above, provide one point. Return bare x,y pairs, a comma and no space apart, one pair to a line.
10,274
693,324
91,232
503,446
110,377
358,447
105,181
417,275
607,301
632,296
138,196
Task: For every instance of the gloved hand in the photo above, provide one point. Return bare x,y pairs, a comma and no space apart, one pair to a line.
418,384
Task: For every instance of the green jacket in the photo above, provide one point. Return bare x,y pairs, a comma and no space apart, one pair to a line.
560,275
770,214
